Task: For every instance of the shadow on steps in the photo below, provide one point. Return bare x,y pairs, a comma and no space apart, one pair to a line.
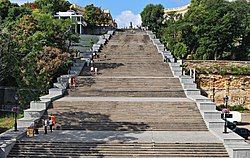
95,122
100,66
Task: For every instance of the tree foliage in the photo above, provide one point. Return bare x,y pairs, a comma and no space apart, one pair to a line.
180,50
152,16
5,5
214,29
52,6
9,67
34,48
95,16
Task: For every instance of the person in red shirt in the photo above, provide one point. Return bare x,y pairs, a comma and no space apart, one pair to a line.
53,118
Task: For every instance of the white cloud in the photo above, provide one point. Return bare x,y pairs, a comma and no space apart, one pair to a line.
21,1
124,19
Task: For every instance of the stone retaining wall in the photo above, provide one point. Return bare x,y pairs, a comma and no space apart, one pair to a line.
237,87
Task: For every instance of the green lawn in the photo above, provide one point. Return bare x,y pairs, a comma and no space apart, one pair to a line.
7,122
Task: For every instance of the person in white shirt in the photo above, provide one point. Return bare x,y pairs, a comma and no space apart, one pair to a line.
50,124
46,123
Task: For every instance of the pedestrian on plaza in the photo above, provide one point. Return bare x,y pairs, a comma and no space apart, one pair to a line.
50,124
36,128
31,129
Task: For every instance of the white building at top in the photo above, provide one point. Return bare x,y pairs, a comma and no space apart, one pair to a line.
180,10
75,16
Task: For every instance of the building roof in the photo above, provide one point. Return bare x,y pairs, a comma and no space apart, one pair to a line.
180,10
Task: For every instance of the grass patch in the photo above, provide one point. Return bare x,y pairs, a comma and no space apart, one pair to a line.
7,122
239,108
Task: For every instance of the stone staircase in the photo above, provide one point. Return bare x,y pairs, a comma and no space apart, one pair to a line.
131,55
93,149
134,106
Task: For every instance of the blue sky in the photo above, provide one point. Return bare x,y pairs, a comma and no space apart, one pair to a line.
136,6
124,11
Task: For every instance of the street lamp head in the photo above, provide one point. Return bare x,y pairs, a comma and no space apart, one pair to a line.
226,98
15,109
16,97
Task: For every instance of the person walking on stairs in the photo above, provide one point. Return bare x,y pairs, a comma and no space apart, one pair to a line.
50,124
46,123
53,118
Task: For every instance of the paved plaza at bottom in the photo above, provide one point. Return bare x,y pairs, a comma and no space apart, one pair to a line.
125,136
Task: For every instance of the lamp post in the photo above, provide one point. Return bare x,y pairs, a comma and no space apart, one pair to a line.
226,101
15,111
213,89
182,64
225,111
213,94
228,84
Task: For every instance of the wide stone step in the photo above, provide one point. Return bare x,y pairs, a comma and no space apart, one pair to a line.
133,127
128,72
127,152
132,83
123,144
176,155
131,93
141,118
126,87
76,149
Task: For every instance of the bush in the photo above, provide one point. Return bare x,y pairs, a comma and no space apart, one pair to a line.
224,70
239,108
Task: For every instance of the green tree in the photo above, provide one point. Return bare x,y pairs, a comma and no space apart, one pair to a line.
5,5
9,61
15,13
211,28
171,31
52,6
35,49
241,46
152,17
180,50
93,15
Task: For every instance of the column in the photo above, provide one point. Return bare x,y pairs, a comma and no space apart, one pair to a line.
80,29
